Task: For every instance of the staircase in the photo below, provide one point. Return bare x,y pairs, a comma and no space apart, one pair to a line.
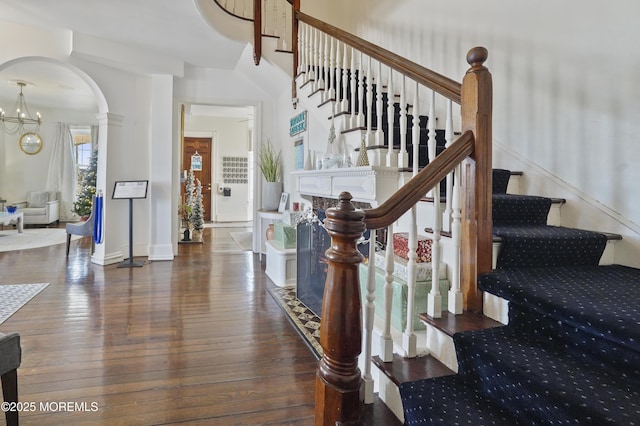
569,351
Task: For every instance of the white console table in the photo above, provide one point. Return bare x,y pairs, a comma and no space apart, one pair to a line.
265,217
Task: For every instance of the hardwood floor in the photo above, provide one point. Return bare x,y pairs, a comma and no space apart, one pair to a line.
197,340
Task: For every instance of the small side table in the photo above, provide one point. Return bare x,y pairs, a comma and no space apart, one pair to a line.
3,203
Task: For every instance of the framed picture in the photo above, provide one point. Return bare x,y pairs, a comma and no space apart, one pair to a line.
299,149
283,202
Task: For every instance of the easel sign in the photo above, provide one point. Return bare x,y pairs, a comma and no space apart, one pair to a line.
124,189
130,190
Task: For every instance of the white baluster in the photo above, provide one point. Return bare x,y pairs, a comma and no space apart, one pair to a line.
403,157
409,341
326,65
392,153
354,85
448,136
360,117
415,131
455,295
369,315
331,92
310,71
338,75
300,48
285,33
386,341
379,112
369,106
321,64
434,300
265,9
344,103
274,18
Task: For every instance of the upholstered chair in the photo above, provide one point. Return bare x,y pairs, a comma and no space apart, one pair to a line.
82,228
10,358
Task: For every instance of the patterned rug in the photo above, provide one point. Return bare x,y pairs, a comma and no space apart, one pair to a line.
15,296
306,322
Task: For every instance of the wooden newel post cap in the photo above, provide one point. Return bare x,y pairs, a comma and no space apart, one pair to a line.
345,218
477,56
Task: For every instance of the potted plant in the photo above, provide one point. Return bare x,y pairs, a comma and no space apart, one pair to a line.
270,165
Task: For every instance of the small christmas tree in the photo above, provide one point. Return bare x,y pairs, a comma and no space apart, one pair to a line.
197,208
82,205
189,195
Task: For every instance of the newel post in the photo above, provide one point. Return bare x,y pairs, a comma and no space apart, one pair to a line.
338,379
477,227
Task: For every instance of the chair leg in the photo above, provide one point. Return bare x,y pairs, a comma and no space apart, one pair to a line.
10,394
68,243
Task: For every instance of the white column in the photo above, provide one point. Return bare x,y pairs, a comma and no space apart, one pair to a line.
160,196
116,217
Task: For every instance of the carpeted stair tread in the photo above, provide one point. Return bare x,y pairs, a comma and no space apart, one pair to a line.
536,379
544,245
599,300
511,209
614,358
449,400
500,180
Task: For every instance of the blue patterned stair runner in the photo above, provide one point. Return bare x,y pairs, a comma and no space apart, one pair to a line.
571,351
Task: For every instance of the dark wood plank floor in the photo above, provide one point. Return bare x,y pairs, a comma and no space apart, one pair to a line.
197,340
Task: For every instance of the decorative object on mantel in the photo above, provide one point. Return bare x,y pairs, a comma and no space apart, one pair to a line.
20,120
271,167
363,157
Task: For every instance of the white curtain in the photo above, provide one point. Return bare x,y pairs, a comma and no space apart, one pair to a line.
62,171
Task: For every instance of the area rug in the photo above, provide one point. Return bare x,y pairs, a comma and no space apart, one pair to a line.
305,321
32,238
15,296
244,240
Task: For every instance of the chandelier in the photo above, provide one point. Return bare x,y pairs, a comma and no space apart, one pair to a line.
20,120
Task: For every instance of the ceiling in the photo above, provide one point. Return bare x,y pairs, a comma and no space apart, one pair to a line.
171,28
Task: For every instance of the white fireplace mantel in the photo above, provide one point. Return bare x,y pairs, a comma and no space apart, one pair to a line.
371,184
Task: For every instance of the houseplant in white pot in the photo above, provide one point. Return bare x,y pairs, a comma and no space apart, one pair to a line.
270,165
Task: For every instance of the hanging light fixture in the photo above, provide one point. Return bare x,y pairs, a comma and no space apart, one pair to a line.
20,120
